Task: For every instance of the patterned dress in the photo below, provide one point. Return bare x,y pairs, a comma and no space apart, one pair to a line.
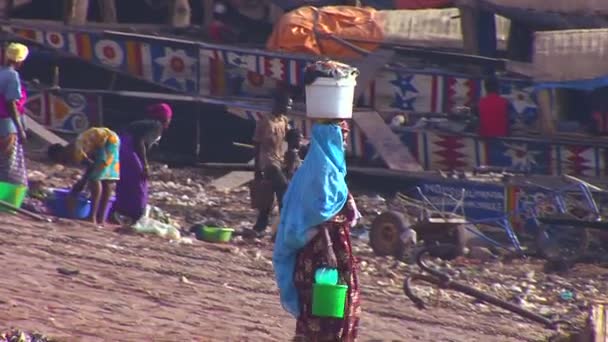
102,146
12,157
320,329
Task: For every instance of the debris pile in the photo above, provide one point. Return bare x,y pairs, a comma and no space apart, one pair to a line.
184,195
15,335
523,282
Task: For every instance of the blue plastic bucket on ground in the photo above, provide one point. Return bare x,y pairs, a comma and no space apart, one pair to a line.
57,203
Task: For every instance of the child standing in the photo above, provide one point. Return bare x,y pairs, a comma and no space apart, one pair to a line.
293,159
293,156
98,150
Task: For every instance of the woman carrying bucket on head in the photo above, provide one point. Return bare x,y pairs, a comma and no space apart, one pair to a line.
136,140
314,233
12,127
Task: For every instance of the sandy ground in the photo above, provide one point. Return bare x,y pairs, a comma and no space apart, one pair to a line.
134,288
143,288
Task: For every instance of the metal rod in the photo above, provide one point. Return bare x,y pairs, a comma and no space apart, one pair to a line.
23,212
242,145
580,181
574,222
445,282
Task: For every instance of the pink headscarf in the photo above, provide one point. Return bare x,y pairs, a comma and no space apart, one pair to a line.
161,112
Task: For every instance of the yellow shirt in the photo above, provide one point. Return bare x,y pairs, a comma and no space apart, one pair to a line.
93,139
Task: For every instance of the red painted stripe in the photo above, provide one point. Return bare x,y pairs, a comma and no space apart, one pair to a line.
486,150
83,45
372,94
213,84
298,69
30,34
78,40
47,108
137,59
434,94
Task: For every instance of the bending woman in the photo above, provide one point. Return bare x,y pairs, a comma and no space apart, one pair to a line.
98,149
136,140
317,206
12,126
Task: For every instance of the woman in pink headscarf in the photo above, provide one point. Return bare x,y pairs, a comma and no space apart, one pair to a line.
136,139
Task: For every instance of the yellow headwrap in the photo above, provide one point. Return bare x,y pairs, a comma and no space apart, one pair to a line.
16,52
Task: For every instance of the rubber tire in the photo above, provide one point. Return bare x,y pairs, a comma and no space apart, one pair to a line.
385,234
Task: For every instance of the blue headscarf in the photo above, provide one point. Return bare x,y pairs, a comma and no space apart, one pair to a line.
316,193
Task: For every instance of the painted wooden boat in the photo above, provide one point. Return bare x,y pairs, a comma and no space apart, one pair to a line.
221,73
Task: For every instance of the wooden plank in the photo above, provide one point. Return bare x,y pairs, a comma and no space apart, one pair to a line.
6,6
468,24
179,13
108,11
578,7
554,51
233,179
43,133
90,26
546,112
76,12
387,144
207,12
369,67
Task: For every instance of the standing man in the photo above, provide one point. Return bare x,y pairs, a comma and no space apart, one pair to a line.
493,112
269,150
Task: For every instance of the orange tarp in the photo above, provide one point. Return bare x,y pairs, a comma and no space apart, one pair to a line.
295,31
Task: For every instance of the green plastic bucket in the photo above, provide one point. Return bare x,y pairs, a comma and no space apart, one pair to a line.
328,300
224,234
214,234
12,193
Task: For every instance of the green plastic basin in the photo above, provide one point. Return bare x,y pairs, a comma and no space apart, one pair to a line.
329,300
215,234
12,193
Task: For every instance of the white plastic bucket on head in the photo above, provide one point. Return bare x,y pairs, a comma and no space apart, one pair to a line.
330,98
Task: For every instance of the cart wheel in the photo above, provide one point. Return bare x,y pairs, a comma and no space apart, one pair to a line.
385,235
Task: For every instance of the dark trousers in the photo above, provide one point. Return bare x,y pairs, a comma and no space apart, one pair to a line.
279,181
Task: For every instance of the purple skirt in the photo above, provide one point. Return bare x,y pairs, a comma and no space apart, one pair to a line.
132,188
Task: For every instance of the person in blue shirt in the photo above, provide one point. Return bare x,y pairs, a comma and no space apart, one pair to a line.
12,128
